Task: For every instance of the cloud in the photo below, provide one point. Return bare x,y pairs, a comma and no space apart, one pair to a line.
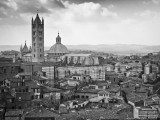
27,6
148,2
6,8
148,14
57,3
155,1
87,12
85,1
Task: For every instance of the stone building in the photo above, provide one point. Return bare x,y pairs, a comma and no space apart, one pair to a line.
25,53
96,72
37,39
80,60
36,52
57,50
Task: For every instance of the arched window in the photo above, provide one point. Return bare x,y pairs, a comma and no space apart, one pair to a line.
69,72
85,72
57,73
99,73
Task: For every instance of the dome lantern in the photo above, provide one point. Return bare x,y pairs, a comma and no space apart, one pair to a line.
58,39
58,47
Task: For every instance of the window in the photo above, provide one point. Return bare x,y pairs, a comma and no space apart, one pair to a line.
82,96
34,38
32,97
40,55
40,44
2,91
100,87
34,44
100,94
7,84
34,50
40,33
40,50
34,55
40,39
5,70
23,83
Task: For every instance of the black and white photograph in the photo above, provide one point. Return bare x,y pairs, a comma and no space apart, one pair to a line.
79,59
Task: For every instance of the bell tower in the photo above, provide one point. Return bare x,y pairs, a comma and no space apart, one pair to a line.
37,39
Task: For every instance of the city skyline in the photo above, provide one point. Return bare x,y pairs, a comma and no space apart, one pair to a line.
82,22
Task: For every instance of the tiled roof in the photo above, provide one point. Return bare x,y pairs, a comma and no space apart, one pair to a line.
39,78
32,84
14,112
47,64
133,97
41,112
9,64
11,118
47,89
88,91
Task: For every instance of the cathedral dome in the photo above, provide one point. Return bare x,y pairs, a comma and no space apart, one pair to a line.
58,47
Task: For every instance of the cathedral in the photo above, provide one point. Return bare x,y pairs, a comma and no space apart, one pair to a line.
25,53
36,53
86,64
57,50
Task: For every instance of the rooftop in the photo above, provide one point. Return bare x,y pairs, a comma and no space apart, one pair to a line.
14,112
82,55
93,91
40,112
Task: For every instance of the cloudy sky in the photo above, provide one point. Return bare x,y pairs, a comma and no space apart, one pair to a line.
82,21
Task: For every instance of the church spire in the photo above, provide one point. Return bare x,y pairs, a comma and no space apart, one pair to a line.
25,43
37,20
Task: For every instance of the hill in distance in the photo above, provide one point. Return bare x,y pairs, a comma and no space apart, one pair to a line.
115,48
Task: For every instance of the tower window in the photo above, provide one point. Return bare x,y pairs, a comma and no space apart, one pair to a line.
40,33
40,27
40,50
34,26
40,55
34,38
34,50
34,55
40,44
40,39
34,44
